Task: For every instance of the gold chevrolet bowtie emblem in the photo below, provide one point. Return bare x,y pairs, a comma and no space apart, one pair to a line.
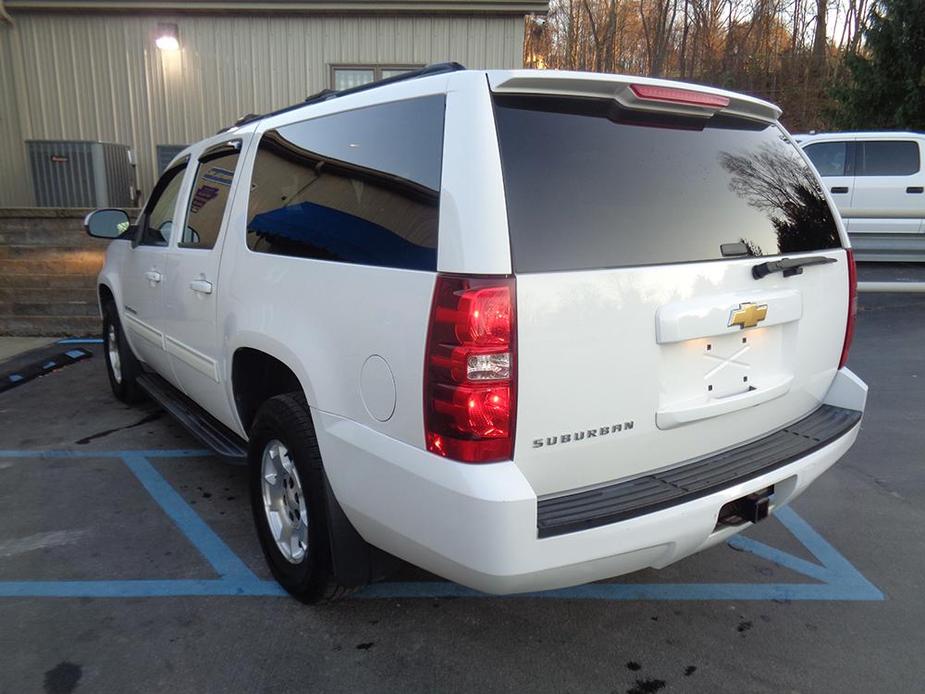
748,315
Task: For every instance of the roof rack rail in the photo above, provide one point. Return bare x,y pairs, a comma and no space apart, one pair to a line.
326,94
247,118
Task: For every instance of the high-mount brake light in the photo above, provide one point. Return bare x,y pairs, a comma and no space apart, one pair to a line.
852,307
674,95
469,374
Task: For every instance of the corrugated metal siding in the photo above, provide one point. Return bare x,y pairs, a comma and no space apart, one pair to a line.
14,186
100,77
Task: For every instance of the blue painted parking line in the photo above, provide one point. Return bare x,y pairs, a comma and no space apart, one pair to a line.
834,577
167,588
234,578
225,562
81,341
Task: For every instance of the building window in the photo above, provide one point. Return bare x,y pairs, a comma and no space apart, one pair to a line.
349,76
166,154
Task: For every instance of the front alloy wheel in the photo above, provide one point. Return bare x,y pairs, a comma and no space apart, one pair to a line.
121,365
112,347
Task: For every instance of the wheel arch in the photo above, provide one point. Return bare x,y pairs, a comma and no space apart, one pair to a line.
105,294
256,376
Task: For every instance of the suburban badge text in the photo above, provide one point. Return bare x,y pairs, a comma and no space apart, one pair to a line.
581,435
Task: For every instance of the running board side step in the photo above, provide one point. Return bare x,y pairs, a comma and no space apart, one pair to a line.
194,419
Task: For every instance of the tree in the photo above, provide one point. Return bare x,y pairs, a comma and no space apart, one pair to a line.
785,51
885,85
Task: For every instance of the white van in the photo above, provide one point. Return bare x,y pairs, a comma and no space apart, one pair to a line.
877,180
522,329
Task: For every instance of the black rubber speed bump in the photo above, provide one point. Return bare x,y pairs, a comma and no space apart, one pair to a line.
17,371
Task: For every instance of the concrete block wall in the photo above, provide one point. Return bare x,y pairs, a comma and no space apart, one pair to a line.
48,269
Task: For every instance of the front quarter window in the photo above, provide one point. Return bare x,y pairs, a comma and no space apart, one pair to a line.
829,158
157,223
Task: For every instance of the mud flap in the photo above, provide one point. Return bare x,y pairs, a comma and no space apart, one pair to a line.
354,561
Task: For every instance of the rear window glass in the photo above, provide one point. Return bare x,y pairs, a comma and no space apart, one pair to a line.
888,158
590,185
361,186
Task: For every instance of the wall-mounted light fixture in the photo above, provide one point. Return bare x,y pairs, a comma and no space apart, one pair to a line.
167,37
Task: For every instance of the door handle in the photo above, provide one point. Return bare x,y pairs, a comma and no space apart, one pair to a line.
201,286
839,189
915,189
153,276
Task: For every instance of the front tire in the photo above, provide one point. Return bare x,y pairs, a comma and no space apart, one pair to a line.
287,499
121,365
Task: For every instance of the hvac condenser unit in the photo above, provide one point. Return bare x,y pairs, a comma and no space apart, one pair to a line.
68,173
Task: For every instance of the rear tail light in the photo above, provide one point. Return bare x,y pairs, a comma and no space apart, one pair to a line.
673,95
469,372
852,308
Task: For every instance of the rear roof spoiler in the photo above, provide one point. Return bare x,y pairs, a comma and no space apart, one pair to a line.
621,89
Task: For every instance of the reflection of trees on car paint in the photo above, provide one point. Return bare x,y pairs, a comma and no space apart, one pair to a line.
778,183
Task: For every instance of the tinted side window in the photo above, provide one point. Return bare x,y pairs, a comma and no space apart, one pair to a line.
158,219
591,185
888,158
829,158
209,197
358,187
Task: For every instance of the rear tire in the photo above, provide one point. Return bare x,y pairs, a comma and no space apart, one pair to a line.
288,501
121,365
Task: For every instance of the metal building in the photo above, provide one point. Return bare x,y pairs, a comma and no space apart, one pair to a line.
145,73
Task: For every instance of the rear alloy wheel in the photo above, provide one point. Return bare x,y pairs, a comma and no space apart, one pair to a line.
284,502
121,365
288,501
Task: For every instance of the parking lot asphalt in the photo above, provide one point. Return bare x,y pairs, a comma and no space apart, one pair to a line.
832,597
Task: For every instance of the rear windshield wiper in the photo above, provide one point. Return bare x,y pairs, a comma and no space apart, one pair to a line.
789,266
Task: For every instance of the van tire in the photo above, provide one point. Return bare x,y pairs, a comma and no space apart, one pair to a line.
287,420
123,375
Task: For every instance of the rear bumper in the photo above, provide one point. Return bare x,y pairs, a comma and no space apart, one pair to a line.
679,484
477,525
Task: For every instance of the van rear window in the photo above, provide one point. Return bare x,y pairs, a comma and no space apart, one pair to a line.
591,185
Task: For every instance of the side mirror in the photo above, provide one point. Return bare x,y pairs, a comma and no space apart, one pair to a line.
106,224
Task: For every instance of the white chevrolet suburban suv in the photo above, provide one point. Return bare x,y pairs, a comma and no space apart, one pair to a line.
522,329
